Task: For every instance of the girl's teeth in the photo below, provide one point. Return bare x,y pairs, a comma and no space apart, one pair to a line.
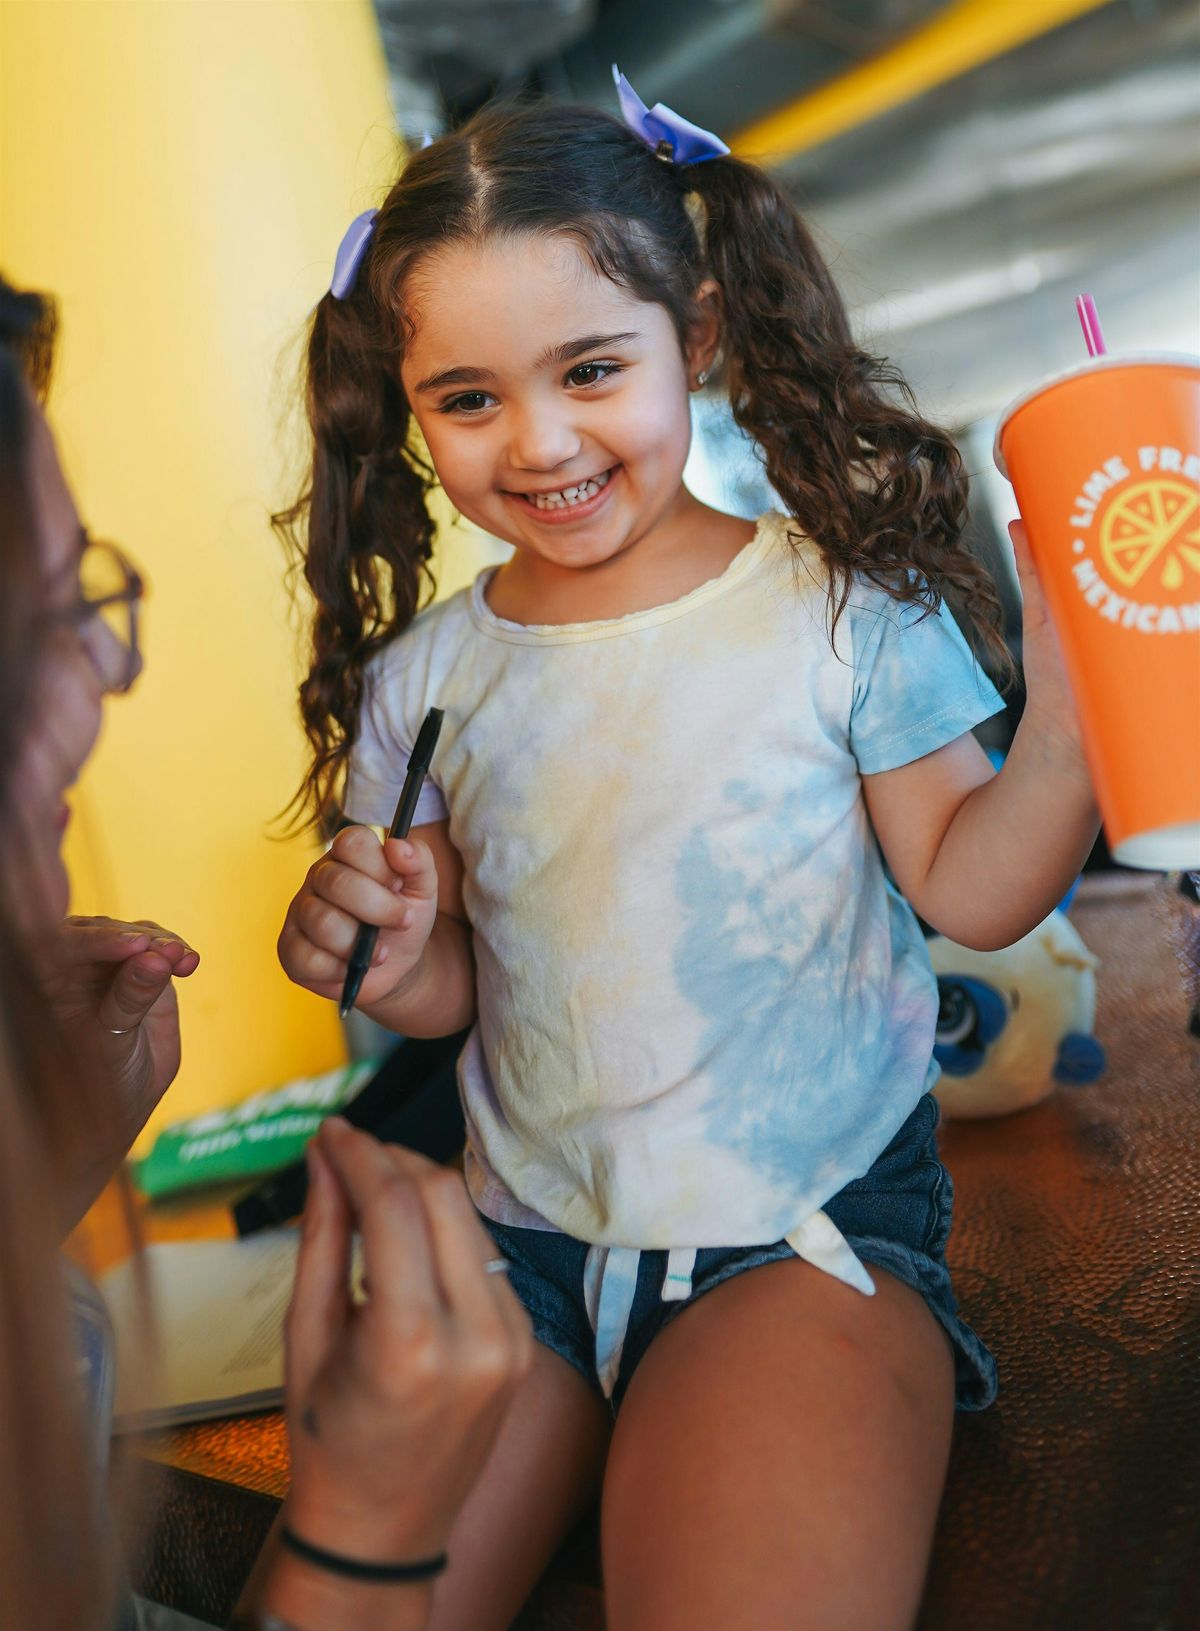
570,495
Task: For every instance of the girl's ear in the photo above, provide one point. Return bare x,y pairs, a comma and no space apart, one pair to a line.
704,335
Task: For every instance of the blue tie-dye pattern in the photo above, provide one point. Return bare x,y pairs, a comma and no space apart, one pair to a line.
770,1044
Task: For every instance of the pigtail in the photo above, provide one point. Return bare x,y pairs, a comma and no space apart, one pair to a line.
360,528
880,490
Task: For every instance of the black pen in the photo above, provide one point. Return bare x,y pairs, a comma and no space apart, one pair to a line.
368,933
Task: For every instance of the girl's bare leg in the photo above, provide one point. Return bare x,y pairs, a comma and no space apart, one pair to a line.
778,1460
545,1466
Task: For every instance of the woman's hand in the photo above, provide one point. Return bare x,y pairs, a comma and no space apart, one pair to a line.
393,885
1050,705
393,1403
111,989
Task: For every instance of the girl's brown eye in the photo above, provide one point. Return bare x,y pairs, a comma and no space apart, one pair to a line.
468,402
597,371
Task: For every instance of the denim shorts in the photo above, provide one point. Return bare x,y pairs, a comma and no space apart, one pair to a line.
897,1216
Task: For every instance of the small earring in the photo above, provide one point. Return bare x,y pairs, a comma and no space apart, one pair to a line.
702,379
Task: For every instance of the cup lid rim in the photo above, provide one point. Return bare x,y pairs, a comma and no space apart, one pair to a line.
1131,359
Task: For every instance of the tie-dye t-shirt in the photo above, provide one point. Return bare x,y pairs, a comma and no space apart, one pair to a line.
702,1008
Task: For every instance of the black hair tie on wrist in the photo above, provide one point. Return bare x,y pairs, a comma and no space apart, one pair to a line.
353,1568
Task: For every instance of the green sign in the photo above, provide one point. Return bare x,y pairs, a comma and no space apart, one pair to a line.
266,1131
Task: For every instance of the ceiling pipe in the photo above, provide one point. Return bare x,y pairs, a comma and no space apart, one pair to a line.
963,35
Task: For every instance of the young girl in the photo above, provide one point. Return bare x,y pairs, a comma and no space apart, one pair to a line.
649,865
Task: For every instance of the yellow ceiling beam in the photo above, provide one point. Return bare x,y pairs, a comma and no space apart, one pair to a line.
961,36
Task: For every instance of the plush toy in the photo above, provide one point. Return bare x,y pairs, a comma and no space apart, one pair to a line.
1014,1023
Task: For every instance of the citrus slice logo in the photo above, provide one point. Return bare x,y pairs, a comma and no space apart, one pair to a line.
1150,536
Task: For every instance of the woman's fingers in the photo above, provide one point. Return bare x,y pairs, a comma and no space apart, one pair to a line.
101,940
403,1381
423,1247
493,1331
481,1305
320,1297
172,946
461,1247
398,1260
135,988
108,940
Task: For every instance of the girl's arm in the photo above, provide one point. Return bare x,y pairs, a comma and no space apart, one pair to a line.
983,857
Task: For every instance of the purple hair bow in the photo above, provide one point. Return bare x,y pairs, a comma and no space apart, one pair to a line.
350,253
687,142
354,246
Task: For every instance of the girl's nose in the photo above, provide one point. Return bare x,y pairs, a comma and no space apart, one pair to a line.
542,440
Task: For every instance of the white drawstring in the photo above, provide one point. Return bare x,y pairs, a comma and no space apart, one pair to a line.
609,1282
677,1284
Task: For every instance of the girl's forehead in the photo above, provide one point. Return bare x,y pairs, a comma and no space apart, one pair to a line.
509,295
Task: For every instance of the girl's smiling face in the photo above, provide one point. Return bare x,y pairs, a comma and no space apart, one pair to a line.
553,402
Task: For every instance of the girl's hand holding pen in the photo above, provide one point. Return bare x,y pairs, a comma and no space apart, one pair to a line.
393,885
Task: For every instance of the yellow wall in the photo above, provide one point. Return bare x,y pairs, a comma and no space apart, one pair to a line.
179,172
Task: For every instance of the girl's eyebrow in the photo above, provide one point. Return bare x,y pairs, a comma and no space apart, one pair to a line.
589,342
455,376
553,354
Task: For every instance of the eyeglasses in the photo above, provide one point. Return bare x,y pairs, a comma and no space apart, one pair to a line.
110,592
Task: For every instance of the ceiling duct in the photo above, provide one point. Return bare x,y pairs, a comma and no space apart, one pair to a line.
452,52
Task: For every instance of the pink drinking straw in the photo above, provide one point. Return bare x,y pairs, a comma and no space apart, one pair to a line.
1089,322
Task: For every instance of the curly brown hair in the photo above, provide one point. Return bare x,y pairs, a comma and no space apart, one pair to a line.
880,491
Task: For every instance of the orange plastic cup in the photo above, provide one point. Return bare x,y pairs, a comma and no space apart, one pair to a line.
1105,462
